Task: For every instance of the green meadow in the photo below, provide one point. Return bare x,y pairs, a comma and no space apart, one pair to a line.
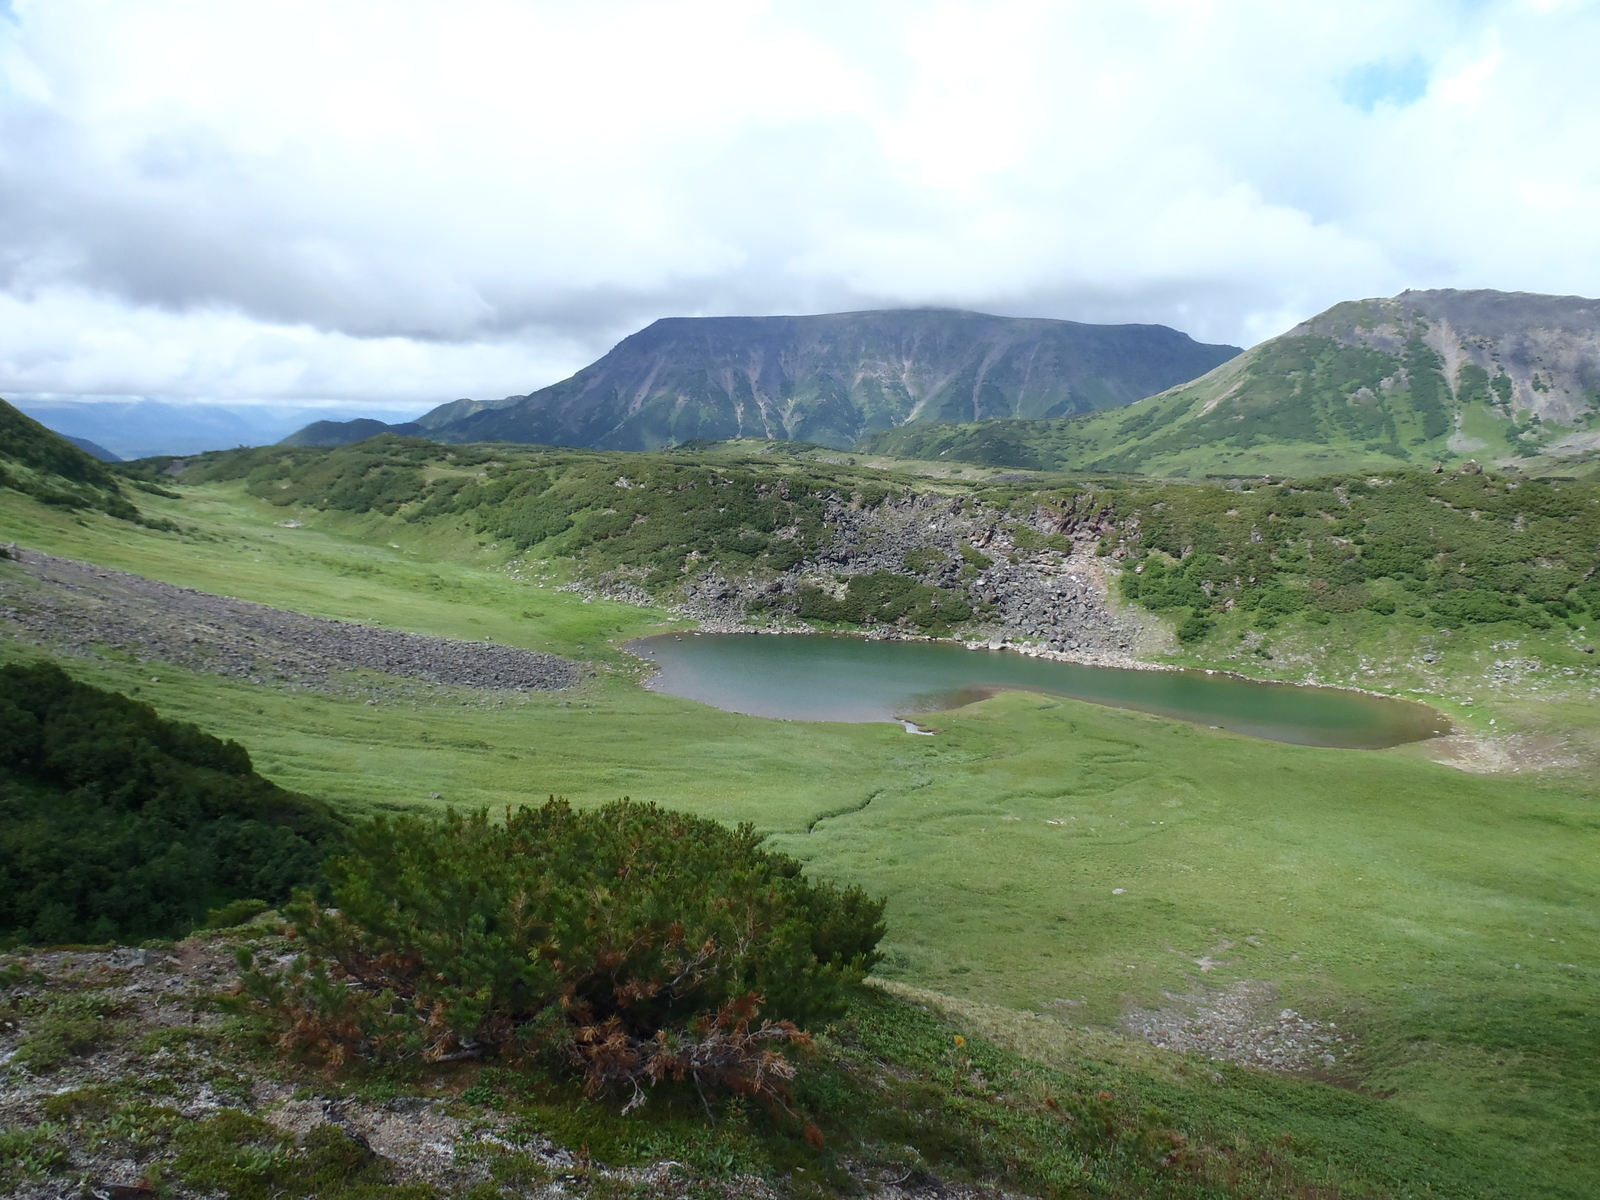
1039,854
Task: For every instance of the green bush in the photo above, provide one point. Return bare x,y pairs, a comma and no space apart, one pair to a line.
117,824
236,912
631,943
883,597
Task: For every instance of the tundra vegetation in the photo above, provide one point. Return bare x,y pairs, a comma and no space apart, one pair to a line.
1053,871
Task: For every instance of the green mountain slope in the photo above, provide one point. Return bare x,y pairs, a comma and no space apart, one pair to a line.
1370,384
824,379
48,467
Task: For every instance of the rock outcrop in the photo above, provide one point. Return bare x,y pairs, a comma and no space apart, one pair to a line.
1035,584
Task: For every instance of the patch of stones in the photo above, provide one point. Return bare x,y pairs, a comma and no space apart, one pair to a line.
81,608
1245,1025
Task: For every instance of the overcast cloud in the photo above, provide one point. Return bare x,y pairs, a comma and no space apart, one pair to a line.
402,203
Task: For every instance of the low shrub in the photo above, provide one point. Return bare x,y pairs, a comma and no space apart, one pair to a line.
629,943
243,1157
58,1030
235,913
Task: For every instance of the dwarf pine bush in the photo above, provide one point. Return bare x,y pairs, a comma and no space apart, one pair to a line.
630,942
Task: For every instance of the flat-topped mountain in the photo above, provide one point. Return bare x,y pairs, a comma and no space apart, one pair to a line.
832,379
1422,376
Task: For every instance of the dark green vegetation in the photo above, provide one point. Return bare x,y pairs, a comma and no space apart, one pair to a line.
1456,549
117,824
1364,385
570,503
632,943
884,597
648,517
44,465
826,379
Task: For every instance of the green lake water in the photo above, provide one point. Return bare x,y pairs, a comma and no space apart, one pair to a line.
818,677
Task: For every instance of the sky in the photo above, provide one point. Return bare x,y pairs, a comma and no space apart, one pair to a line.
386,204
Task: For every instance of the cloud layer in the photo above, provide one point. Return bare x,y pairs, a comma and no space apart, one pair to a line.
409,202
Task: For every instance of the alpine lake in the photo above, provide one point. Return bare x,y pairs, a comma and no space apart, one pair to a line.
821,677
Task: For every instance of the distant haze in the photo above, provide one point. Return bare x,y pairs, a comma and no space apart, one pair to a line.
396,205
139,428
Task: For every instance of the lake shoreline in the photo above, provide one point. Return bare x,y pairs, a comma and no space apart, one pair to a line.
1077,658
841,685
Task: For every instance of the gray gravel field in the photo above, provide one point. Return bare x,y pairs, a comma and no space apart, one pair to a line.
81,608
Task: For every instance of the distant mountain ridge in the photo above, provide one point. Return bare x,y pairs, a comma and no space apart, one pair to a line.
830,379
93,448
342,433
1420,377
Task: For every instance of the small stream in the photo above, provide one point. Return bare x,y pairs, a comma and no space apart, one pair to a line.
820,677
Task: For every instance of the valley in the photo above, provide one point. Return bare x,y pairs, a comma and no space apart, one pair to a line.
1066,881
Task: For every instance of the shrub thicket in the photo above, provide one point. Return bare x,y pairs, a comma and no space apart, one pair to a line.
115,823
650,515
632,943
1462,549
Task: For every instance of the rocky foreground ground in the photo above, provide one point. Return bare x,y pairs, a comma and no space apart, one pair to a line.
80,608
123,1077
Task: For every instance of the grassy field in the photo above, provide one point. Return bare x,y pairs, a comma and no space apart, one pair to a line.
1446,920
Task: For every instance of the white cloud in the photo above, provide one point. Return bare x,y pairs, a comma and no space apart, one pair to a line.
381,201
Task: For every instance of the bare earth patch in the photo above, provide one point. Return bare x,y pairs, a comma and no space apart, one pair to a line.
1512,753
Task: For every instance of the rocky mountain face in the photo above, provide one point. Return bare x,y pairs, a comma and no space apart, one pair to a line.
826,379
1422,376
1540,354
1533,360
831,379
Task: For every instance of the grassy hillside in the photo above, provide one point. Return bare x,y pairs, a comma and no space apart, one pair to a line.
1037,853
1458,549
1364,386
1471,549
53,470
